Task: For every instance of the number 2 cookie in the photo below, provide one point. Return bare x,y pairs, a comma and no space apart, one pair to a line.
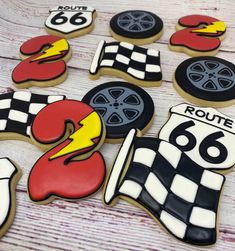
136,27
71,168
198,35
44,62
204,134
177,192
123,106
133,63
206,81
70,21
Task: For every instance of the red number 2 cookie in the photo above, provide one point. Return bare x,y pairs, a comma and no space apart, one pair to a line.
44,62
198,35
72,169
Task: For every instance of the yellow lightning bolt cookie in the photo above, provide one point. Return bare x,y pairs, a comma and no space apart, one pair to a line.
83,137
214,28
55,49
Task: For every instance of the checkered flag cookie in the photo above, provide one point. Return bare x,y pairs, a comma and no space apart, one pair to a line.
177,192
140,63
18,110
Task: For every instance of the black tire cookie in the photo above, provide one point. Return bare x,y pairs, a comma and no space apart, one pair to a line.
123,106
136,26
206,81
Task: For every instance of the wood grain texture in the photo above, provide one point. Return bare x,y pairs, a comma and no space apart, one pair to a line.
87,224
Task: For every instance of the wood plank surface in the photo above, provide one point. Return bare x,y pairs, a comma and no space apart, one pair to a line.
87,224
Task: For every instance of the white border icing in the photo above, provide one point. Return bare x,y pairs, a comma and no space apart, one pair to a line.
95,61
118,166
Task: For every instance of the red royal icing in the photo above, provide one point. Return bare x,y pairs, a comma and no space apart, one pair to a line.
63,176
196,41
39,70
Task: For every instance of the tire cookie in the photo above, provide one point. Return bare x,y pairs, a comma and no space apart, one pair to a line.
206,81
136,27
123,106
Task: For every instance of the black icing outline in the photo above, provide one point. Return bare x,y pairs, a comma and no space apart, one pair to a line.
14,134
169,117
43,61
80,29
118,184
158,27
11,191
184,83
52,196
203,35
126,74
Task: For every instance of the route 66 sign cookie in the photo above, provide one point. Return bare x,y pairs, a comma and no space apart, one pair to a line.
204,134
70,21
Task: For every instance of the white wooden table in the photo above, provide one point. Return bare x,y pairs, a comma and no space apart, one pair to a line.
87,224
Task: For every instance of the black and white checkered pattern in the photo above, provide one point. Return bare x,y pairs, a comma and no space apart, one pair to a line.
18,110
141,63
180,194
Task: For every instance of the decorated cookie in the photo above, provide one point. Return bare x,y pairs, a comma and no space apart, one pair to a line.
44,62
123,106
72,168
198,35
70,21
206,81
18,110
9,177
204,134
135,64
136,27
177,192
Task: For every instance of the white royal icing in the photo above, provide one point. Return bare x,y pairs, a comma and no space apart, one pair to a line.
138,57
212,180
69,12
159,193
202,217
184,188
127,45
18,116
22,95
54,98
144,156
122,59
6,171
3,123
152,68
201,130
131,189
5,103
34,108
177,227
118,166
95,61
166,150
111,48
136,73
